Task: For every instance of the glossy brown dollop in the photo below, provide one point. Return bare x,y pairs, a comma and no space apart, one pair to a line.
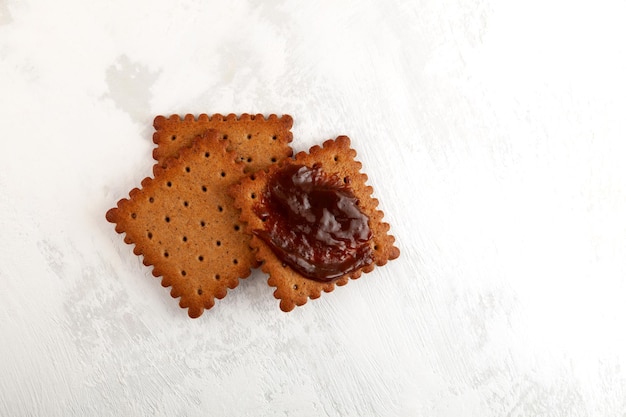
313,223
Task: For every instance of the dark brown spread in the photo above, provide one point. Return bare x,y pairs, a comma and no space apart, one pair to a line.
313,223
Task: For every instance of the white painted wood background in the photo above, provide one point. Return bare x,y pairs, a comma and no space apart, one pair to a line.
492,131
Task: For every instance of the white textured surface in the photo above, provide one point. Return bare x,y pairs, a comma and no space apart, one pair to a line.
494,136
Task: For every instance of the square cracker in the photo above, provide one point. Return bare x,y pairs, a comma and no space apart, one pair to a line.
257,141
185,224
335,157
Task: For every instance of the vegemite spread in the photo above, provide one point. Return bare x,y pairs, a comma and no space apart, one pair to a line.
313,223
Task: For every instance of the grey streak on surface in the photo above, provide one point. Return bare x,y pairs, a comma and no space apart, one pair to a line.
130,86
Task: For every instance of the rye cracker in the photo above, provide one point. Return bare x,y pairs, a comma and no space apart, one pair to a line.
335,157
184,223
257,141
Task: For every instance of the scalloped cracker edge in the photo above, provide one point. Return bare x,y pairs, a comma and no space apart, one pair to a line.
258,141
185,224
336,157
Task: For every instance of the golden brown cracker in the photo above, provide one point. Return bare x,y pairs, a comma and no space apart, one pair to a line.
335,157
257,141
185,224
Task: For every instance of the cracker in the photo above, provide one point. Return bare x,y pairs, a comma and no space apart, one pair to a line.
258,141
185,224
335,157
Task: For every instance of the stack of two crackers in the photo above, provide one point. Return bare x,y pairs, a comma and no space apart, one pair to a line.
193,221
